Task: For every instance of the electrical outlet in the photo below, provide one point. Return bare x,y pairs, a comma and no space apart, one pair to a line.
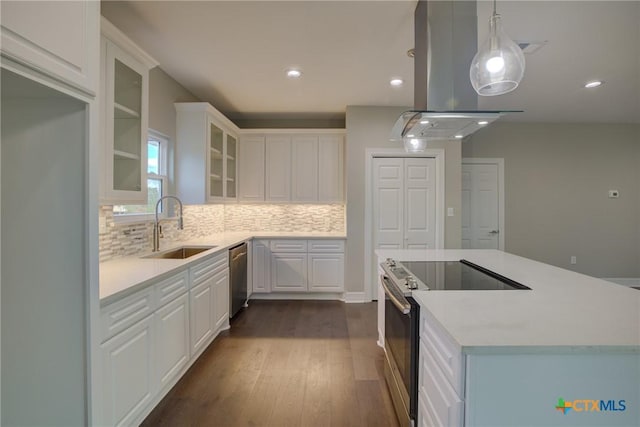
574,260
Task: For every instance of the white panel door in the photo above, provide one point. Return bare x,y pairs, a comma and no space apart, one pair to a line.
261,267
59,38
304,168
201,303
278,169
220,299
388,203
480,209
251,158
420,203
331,168
128,376
172,339
326,272
289,272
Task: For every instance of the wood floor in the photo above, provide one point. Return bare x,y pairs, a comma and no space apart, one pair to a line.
286,363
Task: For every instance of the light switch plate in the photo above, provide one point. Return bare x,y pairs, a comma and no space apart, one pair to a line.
614,194
450,212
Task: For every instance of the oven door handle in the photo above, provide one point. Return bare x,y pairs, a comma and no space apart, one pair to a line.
399,301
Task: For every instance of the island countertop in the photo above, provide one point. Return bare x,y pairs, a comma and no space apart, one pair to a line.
564,310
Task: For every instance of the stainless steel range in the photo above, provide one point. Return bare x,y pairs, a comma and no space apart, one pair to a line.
402,317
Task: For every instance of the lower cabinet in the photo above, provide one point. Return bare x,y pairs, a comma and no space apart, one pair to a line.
288,272
298,266
172,339
201,299
221,300
326,272
128,383
151,337
261,267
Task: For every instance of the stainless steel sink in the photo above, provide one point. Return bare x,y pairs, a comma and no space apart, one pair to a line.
183,252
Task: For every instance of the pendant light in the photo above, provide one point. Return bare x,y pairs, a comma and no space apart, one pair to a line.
498,67
414,145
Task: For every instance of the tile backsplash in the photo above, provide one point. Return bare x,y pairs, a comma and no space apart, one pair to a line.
118,239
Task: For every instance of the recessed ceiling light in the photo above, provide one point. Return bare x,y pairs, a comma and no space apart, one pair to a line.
294,73
411,136
424,122
396,82
595,83
458,136
483,122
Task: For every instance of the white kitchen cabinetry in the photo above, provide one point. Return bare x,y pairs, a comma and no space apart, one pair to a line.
304,168
261,267
292,167
127,373
201,301
331,168
206,154
58,39
251,158
440,375
172,340
125,93
151,337
288,272
297,266
278,168
326,272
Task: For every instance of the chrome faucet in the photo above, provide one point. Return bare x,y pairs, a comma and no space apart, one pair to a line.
157,230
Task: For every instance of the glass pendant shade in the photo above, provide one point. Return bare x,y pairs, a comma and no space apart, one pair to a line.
414,145
498,67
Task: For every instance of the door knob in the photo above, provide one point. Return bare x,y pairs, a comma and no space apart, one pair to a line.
494,231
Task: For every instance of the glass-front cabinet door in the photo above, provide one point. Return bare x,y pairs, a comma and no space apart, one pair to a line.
230,165
216,164
126,92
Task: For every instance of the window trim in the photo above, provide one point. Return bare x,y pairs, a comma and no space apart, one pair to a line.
163,167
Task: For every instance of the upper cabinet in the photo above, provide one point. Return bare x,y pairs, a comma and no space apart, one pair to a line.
206,154
58,39
300,167
125,113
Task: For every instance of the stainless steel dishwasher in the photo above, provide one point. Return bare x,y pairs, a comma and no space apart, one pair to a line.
238,278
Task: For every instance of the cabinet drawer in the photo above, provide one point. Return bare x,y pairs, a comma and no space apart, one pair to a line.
441,401
118,316
334,246
210,266
171,288
446,352
288,245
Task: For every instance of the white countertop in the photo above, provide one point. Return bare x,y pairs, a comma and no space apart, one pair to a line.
123,276
562,309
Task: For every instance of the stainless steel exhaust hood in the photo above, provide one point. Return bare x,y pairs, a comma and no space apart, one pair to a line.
445,103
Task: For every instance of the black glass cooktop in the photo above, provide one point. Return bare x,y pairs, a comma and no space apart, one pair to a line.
458,275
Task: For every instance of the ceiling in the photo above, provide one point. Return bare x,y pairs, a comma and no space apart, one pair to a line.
234,54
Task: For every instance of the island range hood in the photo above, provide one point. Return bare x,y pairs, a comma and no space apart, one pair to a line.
445,103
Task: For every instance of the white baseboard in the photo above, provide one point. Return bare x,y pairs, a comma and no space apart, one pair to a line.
624,281
355,297
336,296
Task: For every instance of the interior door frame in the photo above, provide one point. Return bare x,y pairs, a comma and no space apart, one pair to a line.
370,153
500,163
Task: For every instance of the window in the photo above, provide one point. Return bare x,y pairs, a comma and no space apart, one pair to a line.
156,180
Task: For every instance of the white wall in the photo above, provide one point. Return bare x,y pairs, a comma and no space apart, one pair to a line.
370,127
163,92
556,203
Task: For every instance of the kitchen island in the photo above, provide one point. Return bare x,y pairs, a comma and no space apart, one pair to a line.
566,352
